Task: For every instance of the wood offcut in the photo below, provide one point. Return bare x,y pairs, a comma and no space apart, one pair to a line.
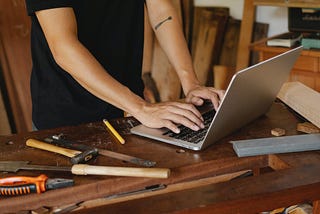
302,99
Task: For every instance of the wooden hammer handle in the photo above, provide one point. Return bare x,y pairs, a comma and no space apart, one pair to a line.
84,169
51,148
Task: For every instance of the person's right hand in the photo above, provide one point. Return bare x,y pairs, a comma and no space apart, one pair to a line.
170,115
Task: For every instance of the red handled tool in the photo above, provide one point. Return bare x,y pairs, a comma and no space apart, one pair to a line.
20,185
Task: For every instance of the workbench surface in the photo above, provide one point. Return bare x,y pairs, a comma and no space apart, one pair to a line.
199,181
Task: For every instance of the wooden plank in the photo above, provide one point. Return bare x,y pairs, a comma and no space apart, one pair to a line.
187,17
228,56
170,188
307,127
248,18
254,194
222,76
165,76
208,31
15,57
302,99
223,71
260,32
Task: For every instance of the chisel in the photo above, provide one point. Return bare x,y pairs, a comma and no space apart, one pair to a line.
84,169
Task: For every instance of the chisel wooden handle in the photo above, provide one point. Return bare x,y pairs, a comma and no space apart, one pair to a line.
51,148
84,169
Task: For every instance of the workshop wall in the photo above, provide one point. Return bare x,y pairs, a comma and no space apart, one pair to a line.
276,17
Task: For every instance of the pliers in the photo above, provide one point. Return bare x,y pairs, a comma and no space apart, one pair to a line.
21,185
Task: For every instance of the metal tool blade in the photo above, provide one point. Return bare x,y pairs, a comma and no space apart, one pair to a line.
57,183
127,158
14,166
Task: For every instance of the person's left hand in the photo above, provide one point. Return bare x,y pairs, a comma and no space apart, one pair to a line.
197,95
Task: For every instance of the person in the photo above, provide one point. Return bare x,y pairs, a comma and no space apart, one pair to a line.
87,59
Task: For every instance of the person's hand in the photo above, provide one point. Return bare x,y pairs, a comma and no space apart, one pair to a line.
169,115
197,96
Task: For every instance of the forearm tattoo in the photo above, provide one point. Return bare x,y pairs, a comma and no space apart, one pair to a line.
158,25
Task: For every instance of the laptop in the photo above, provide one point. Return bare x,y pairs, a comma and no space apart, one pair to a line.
250,94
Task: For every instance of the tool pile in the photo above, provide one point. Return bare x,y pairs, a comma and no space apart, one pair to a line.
79,155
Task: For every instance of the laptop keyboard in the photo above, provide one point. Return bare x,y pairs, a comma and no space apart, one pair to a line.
191,136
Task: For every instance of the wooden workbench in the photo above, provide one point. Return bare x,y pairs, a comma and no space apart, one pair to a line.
196,184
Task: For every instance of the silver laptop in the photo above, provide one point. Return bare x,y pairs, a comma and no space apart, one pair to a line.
249,95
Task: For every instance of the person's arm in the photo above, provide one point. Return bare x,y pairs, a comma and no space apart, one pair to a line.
168,29
60,28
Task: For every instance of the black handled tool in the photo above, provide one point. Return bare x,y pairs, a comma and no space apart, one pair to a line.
21,185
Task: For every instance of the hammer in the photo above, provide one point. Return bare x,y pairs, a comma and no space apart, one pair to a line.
76,156
59,141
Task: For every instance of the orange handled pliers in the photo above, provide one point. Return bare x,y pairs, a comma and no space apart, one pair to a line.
21,185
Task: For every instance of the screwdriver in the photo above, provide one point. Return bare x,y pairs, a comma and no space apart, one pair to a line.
22,185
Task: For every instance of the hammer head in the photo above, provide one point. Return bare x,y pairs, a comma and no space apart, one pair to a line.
87,152
85,156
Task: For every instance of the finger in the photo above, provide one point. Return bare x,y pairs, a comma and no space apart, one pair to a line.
184,117
208,94
221,94
216,96
215,102
180,119
170,125
189,107
196,101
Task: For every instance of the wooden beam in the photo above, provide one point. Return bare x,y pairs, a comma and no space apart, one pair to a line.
208,30
248,18
302,99
222,75
15,59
